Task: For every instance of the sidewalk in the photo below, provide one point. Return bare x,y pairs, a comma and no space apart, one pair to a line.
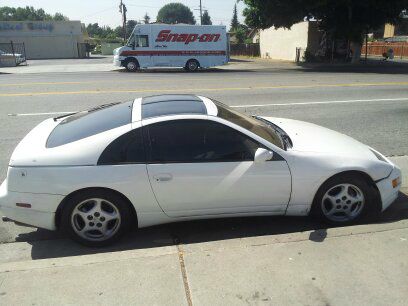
105,64
94,64
361,265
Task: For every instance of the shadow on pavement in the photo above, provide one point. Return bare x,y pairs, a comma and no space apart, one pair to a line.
371,66
181,70
240,60
46,244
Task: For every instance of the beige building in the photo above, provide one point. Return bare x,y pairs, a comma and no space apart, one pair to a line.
46,39
389,30
282,43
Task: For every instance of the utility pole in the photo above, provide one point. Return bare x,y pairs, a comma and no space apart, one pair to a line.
201,13
123,10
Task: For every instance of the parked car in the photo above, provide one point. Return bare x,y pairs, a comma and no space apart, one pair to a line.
16,58
172,158
396,39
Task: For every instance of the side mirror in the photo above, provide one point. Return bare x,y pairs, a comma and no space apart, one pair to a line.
262,155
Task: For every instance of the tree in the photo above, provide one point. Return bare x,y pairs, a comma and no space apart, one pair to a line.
104,33
206,18
146,18
240,34
176,13
235,22
27,13
345,19
130,25
59,17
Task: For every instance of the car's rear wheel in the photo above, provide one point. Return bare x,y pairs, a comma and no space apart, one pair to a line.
96,218
192,65
346,199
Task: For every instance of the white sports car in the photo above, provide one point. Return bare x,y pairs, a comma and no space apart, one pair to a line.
169,158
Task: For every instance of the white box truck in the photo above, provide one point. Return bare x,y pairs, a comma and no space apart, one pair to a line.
162,45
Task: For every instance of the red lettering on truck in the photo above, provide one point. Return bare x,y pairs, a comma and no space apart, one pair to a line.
167,36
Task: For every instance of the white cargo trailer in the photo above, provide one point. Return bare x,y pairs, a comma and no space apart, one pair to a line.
163,45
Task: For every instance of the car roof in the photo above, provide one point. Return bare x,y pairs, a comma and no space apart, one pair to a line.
166,105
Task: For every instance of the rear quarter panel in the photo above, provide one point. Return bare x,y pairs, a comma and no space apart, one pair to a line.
130,180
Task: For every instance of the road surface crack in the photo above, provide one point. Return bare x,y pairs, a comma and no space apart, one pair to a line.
183,271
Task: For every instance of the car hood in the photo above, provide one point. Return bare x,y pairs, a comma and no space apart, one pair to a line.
309,137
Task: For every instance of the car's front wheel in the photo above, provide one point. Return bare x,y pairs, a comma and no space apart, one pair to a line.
346,199
96,218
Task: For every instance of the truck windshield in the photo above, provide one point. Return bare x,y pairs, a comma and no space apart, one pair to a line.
131,41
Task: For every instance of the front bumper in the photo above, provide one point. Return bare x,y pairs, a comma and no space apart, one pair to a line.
42,211
117,61
388,192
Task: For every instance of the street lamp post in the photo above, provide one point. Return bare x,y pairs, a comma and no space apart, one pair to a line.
201,13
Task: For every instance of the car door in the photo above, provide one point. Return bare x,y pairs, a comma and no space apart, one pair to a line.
144,55
202,167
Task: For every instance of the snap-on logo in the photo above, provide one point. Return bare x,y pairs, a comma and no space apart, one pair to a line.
167,36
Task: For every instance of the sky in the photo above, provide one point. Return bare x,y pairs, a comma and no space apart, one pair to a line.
106,12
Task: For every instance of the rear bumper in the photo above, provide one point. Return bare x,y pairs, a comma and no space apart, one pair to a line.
389,193
42,211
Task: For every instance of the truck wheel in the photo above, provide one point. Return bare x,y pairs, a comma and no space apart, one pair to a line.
132,65
192,65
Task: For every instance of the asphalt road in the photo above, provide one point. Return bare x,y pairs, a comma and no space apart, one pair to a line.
369,104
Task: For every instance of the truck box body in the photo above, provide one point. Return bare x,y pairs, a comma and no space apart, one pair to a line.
163,45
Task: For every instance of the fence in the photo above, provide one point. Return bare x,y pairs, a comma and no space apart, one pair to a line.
378,48
252,50
12,54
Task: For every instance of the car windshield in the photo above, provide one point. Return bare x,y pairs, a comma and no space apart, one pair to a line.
253,125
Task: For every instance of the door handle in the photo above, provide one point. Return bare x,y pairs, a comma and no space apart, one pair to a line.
163,177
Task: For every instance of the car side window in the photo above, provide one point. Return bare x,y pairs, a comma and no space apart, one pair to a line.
126,149
195,141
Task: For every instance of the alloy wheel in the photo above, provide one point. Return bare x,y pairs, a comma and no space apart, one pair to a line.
343,202
95,219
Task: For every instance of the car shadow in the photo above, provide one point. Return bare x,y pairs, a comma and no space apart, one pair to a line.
47,244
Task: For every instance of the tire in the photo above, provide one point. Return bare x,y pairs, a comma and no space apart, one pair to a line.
346,199
192,65
131,65
96,218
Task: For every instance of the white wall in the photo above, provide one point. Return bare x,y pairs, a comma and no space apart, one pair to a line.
282,43
44,39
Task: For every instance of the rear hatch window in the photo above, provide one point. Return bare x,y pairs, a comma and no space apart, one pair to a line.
91,122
